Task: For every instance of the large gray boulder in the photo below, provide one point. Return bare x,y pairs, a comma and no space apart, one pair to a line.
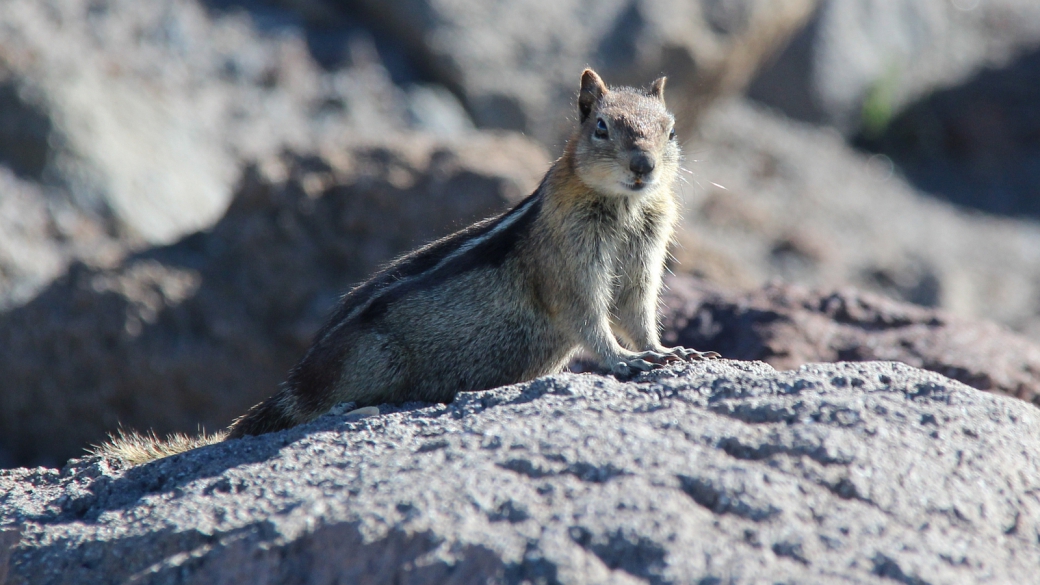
128,124
973,144
858,62
717,472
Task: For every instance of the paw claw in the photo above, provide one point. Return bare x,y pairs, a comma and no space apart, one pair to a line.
648,360
641,365
692,355
632,366
656,357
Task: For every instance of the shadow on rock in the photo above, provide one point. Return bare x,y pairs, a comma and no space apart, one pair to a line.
976,144
333,553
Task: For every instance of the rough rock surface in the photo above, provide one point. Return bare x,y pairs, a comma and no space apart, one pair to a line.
721,472
515,75
196,332
788,326
771,198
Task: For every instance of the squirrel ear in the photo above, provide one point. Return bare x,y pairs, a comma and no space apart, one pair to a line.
592,89
657,88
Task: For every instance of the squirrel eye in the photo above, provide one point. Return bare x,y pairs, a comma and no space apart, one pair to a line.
601,128
671,135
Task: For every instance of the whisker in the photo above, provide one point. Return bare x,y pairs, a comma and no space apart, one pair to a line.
695,180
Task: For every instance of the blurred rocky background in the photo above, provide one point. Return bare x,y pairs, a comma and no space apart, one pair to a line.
186,186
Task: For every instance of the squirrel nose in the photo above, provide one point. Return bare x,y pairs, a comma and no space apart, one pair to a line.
641,164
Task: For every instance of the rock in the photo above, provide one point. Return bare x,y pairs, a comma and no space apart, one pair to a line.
714,472
516,76
858,62
973,144
789,326
768,198
144,113
125,124
9,538
196,332
38,236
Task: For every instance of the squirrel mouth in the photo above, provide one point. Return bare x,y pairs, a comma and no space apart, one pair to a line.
637,185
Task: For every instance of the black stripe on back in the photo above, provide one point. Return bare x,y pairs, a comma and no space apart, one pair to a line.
491,252
412,264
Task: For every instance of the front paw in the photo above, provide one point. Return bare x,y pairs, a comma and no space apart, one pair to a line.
642,362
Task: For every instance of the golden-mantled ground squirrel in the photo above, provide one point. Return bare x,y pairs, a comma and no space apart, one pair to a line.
576,264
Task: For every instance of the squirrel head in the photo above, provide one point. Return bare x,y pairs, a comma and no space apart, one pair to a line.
626,143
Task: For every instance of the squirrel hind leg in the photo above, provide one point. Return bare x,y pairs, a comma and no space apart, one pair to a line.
370,371
277,413
376,372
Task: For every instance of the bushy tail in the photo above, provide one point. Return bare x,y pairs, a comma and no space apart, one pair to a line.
135,448
279,412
